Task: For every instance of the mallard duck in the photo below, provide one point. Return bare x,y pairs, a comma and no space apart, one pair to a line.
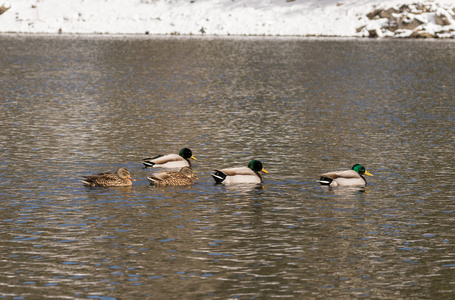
248,174
171,161
351,177
120,178
167,178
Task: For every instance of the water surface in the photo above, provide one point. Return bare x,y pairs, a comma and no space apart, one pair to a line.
76,105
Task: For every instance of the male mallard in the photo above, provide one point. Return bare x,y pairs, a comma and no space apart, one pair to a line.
248,174
351,177
183,177
170,160
120,178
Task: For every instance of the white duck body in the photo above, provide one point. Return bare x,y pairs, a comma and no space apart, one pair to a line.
351,177
238,175
169,161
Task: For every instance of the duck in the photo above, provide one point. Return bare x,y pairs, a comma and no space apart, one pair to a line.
121,177
249,174
351,177
170,161
173,178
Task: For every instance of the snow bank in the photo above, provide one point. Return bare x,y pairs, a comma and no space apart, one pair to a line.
218,17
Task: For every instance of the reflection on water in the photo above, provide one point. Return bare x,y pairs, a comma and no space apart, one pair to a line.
73,106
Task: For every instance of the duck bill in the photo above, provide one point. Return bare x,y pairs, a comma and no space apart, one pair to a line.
194,177
132,179
368,173
193,157
264,170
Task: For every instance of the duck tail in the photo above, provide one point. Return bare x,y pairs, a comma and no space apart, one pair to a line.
218,176
86,182
325,181
152,180
147,163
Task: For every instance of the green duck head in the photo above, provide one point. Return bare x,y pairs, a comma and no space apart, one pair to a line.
361,170
256,166
186,153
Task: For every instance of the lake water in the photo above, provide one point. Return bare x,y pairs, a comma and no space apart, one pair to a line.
77,105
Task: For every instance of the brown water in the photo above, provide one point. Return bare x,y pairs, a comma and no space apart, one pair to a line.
76,105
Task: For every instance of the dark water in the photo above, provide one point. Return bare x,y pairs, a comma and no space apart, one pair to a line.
76,105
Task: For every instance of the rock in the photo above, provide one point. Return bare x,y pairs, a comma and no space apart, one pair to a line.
405,8
408,21
446,35
422,8
442,17
392,25
374,14
382,13
403,33
4,7
359,29
387,13
422,35
375,33
442,20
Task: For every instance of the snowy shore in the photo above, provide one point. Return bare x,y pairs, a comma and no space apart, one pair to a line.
341,18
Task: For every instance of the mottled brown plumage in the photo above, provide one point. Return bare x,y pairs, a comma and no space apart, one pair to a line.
173,178
120,178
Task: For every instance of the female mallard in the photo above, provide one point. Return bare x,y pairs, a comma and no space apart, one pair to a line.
183,177
248,174
351,177
120,178
170,161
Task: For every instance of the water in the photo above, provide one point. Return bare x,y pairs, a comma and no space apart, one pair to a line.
76,105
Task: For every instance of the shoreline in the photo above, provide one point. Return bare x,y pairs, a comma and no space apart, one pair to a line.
216,36
277,18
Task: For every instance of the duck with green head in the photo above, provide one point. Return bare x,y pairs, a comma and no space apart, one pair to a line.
249,174
170,161
351,177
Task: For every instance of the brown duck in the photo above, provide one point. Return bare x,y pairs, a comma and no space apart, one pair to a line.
173,178
120,178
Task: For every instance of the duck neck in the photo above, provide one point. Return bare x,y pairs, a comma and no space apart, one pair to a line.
189,162
259,175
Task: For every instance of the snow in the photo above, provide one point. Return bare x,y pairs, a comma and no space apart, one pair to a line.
214,17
